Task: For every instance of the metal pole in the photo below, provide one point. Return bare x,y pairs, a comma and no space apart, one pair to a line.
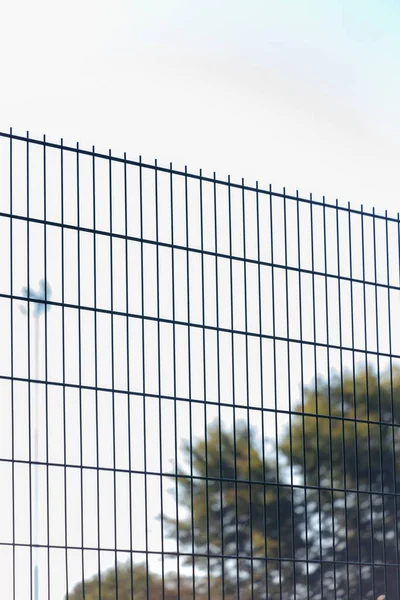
42,296
36,468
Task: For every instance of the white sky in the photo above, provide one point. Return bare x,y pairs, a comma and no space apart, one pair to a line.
301,94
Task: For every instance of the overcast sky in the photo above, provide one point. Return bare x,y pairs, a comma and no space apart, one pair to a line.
297,93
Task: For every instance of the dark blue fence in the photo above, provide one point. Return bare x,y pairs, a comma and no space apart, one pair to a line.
199,384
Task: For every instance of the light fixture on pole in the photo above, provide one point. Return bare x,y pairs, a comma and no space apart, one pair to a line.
40,299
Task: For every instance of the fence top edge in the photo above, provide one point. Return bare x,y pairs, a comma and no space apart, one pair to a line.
199,176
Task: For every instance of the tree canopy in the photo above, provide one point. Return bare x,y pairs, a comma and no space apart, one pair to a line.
235,510
325,519
348,457
134,581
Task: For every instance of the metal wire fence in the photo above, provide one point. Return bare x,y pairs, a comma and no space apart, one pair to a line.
199,383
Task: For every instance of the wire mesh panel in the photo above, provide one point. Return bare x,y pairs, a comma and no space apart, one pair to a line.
199,386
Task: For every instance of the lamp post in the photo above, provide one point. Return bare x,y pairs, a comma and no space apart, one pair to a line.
40,306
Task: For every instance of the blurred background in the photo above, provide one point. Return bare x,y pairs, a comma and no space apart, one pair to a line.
297,94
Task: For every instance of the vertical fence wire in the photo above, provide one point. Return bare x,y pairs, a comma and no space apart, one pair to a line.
209,407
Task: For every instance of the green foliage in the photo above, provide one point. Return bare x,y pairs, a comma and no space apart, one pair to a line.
133,583
345,458
233,507
343,445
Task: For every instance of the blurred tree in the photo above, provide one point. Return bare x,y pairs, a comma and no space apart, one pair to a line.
231,509
234,511
242,522
351,463
133,584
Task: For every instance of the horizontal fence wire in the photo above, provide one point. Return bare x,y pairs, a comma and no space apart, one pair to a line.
199,385
169,170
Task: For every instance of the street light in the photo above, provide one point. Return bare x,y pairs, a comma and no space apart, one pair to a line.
40,306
